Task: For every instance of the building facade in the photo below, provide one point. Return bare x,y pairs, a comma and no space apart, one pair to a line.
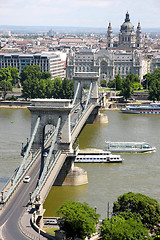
127,36
123,59
106,63
155,62
47,61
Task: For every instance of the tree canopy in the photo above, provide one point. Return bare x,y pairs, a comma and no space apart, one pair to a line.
126,86
8,78
145,207
118,82
127,89
152,83
37,84
78,219
122,229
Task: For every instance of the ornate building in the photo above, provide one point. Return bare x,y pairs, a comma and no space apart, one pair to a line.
105,62
124,59
127,36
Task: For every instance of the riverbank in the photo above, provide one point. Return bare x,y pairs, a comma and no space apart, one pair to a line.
111,105
14,104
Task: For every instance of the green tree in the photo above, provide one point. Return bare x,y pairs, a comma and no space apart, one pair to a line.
127,89
68,88
78,219
111,84
136,85
118,82
5,86
122,229
103,83
133,78
147,208
14,74
37,84
57,90
6,81
148,79
31,72
154,90
46,75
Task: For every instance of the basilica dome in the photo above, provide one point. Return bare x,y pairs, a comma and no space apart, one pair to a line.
127,25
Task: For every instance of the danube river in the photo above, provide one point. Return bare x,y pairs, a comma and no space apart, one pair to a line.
138,172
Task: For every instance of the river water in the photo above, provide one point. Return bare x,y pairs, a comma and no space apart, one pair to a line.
138,172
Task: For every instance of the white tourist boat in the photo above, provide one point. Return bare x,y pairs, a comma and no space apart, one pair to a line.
101,157
129,147
142,109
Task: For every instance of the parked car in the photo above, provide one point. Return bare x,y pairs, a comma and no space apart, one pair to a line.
26,179
50,222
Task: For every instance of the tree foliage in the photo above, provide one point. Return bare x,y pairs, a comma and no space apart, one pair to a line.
8,78
148,78
152,83
127,89
111,84
118,82
126,85
103,83
37,84
133,78
147,208
79,220
122,229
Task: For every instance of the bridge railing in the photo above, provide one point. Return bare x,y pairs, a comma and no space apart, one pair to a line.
5,193
50,168
74,125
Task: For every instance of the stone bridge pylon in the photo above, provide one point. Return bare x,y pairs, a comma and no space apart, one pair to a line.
49,111
83,80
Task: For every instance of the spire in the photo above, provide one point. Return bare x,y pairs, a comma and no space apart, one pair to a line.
109,36
139,27
127,17
139,36
109,28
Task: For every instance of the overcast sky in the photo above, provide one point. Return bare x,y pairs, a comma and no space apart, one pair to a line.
79,13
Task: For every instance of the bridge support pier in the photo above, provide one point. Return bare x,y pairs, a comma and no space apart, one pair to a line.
85,79
71,175
49,111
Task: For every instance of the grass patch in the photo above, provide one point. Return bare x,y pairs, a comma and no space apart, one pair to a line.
51,230
17,89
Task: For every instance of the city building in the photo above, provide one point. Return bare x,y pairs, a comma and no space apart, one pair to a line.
123,58
47,61
106,63
155,62
127,36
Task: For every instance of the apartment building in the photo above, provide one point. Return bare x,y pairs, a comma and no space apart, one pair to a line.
47,61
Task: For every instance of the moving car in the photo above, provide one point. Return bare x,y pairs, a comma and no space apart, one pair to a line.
45,154
26,179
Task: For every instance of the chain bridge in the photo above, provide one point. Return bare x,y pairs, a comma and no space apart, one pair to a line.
55,126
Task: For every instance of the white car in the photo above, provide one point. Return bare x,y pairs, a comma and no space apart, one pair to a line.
50,222
26,179
45,154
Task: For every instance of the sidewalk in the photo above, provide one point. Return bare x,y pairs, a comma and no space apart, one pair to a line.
26,228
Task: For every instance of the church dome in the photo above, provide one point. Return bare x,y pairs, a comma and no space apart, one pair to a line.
127,25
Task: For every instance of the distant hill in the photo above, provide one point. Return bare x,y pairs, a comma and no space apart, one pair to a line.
63,29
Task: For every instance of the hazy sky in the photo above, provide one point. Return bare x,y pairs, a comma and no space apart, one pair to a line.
80,13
